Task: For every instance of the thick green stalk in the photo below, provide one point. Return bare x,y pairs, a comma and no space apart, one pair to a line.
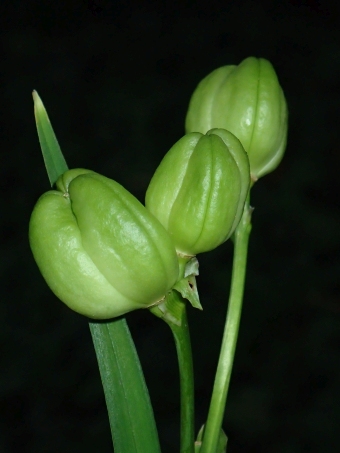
222,379
173,312
186,372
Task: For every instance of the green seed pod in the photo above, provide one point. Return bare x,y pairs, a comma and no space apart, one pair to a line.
199,190
100,251
248,101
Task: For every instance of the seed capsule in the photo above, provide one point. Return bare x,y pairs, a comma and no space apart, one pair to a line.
248,101
199,190
100,251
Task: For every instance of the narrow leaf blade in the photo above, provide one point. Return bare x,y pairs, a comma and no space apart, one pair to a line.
130,412
53,157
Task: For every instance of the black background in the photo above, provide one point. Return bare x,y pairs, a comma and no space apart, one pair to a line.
116,78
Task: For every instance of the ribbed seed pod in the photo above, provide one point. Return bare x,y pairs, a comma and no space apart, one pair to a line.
248,101
100,251
199,190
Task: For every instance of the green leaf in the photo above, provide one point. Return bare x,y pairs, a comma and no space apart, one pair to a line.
131,417
53,157
130,411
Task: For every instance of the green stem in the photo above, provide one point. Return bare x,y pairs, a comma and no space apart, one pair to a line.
222,379
184,356
173,312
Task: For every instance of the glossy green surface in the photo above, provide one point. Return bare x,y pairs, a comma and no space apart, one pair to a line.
199,189
100,251
248,101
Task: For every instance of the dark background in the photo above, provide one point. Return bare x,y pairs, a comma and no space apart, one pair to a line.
116,78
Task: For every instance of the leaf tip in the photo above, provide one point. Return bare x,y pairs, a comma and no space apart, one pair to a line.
38,105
